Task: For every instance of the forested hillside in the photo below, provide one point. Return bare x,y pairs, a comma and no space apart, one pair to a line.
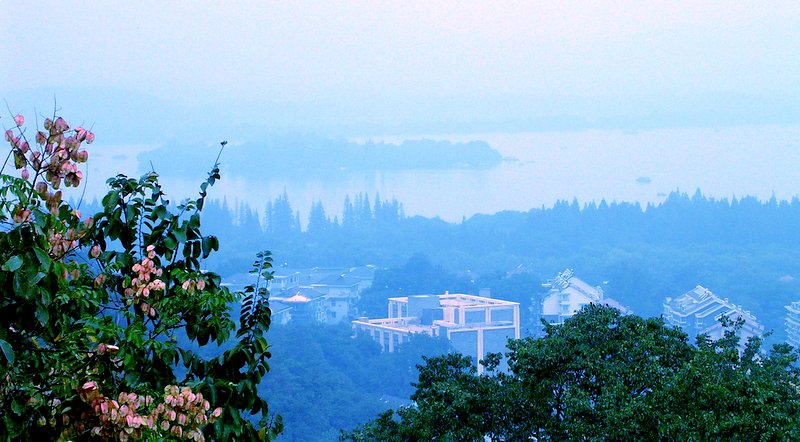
742,249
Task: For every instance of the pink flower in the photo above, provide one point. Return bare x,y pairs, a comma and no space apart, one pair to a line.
19,120
61,125
95,252
25,174
89,138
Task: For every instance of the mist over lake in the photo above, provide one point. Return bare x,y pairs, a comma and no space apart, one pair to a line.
538,169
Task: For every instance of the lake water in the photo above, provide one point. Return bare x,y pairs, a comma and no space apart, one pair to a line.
540,169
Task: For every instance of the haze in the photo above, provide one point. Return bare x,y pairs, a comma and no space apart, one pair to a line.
374,68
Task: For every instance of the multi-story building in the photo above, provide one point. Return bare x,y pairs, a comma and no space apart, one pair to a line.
474,325
568,294
699,311
793,324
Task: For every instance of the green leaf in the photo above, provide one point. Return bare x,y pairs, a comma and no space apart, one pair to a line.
170,242
43,257
261,344
13,263
180,234
42,315
207,246
8,352
34,278
160,212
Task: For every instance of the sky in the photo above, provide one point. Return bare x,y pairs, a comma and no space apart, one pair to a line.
363,67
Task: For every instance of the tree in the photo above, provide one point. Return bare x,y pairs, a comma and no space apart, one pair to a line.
318,222
93,309
604,376
594,375
449,405
281,217
724,393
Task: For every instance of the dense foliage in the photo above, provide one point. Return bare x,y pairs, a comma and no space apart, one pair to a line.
92,309
603,376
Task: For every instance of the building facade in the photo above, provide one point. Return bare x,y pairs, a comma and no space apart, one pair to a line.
699,311
474,325
793,324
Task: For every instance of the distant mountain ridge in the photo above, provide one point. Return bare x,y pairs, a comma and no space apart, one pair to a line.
321,156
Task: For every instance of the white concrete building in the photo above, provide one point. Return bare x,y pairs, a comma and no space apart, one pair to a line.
474,325
569,294
793,324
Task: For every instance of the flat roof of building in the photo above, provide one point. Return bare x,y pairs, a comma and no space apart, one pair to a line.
462,300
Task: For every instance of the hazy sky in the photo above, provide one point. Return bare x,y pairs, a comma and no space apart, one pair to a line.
391,63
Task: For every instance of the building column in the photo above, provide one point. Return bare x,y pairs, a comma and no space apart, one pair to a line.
480,350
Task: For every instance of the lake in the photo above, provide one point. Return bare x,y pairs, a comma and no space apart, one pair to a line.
540,168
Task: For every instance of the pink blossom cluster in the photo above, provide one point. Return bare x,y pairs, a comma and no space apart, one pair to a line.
21,214
53,162
118,419
104,348
191,285
145,283
62,243
182,414
56,159
65,239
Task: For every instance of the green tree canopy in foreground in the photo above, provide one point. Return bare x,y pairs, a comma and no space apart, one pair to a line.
603,376
92,309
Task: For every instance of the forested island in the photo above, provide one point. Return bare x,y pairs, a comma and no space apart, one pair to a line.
292,156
